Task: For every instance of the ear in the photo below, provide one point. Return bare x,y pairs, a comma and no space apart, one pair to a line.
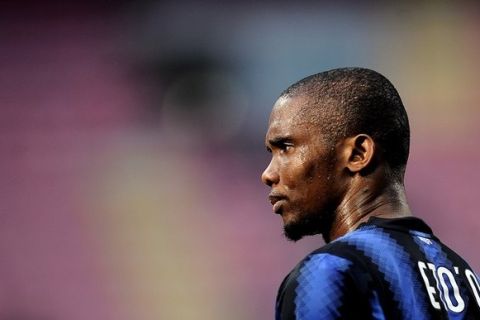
358,151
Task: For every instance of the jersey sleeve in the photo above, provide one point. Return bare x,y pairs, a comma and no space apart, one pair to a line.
319,288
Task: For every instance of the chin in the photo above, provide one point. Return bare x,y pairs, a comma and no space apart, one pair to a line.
291,233
298,228
300,225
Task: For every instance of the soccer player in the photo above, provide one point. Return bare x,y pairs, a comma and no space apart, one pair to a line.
339,142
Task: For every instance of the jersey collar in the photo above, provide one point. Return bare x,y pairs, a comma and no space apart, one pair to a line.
405,224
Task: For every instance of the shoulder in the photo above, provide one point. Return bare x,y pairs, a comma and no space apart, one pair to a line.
324,265
319,264
340,255
334,281
341,261
350,248
323,283
333,263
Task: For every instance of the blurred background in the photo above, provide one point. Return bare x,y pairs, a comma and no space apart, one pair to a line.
131,143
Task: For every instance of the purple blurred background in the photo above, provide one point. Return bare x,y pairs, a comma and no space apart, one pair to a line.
131,139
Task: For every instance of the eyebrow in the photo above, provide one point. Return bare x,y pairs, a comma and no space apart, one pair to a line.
279,141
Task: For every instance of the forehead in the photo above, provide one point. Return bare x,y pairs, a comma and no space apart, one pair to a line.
288,116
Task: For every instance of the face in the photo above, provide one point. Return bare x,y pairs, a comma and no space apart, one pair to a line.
301,172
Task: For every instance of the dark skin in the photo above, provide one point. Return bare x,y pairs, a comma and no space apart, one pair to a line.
319,188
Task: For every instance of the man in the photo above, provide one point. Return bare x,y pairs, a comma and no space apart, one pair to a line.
339,142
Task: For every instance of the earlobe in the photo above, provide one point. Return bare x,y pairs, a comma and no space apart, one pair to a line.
360,150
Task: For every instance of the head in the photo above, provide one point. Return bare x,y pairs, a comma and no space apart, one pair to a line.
325,132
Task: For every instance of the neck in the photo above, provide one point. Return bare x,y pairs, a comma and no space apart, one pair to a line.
365,200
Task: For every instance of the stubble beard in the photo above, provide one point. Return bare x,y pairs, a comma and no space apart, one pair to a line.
310,224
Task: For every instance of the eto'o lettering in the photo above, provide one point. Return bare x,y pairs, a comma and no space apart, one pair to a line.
445,288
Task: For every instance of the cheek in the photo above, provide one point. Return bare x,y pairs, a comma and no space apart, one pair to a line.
317,180
302,173
304,178
311,172
303,169
294,174
310,163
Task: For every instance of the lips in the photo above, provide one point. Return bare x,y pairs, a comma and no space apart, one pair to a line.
276,200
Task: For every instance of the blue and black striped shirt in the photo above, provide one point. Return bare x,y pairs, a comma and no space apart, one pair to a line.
385,269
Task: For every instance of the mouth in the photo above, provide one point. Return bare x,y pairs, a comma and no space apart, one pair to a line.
276,200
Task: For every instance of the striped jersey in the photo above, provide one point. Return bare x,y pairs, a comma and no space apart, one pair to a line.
385,269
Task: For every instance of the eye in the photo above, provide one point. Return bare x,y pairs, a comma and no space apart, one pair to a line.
285,147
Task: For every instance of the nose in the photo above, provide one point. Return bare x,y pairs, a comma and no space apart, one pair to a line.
270,175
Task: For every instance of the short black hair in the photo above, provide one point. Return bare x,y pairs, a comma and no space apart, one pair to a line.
351,101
